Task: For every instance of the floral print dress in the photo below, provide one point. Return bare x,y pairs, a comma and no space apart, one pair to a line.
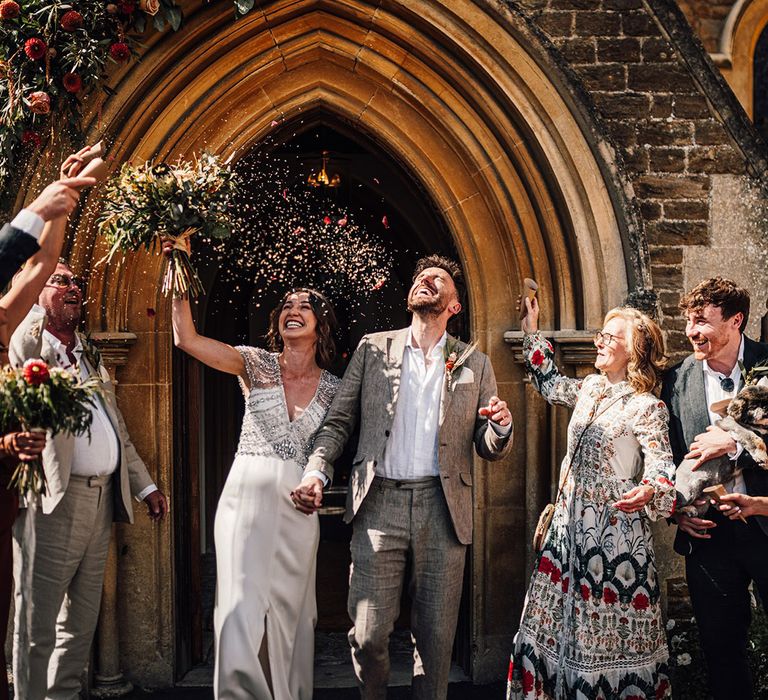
591,626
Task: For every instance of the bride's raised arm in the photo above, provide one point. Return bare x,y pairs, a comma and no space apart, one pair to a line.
211,352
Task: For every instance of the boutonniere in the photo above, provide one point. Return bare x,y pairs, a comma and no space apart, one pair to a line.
91,352
454,360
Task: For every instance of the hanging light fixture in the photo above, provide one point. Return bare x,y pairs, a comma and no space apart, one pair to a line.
321,178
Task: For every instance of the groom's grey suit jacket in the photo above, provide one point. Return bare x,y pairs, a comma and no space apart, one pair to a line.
132,476
369,391
683,392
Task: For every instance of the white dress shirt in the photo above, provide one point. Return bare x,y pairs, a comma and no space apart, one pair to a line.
29,222
99,454
411,451
714,393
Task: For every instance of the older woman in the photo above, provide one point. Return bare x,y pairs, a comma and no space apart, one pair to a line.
265,549
591,625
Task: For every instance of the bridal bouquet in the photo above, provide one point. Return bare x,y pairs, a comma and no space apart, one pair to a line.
147,203
38,397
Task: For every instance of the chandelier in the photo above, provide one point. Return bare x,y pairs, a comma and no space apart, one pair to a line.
321,178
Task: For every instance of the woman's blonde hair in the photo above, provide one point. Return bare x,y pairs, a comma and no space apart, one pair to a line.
645,345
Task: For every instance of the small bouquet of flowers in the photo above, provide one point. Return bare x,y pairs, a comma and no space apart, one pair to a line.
147,203
38,397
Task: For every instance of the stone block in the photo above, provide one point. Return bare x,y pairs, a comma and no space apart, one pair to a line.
609,78
625,105
665,255
557,23
660,77
636,159
598,24
578,51
664,133
710,133
669,302
618,50
677,233
622,5
574,5
661,107
691,211
624,133
691,107
667,160
657,50
650,210
667,277
660,187
715,159
638,24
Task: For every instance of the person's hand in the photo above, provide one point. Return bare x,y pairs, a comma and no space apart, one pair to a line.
157,505
24,446
715,442
694,526
74,159
496,411
736,505
307,497
635,499
169,245
530,323
59,198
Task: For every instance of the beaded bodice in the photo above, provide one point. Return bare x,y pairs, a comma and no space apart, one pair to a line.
267,430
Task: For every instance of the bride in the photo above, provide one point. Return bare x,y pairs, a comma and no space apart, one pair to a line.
265,549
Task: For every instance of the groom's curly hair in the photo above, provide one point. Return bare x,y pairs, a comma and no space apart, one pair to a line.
444,263
327,325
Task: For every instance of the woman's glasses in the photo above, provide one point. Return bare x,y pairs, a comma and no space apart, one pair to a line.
606,338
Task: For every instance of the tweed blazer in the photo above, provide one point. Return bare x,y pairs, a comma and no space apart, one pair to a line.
15,247
683,392
369,393
132,476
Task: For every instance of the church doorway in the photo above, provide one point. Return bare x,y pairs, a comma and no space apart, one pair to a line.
377,195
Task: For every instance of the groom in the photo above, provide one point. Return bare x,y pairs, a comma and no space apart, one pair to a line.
422,406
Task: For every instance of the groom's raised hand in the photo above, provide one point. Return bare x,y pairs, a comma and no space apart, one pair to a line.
307,497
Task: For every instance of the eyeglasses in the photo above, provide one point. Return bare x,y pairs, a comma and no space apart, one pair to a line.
727,385
66,281
606,338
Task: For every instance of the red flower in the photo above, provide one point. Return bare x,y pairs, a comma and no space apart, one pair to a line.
661,690
72,82
527,681
9,9
545,565
35,48
31,138
71,21
126,7
640,602
537,358
566,582
609,596
120,51
39,102
585,591
511,671
555,576
35,372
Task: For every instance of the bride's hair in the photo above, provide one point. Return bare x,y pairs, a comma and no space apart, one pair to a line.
325,352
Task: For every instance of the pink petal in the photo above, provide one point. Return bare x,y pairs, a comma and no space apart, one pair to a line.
385,221
343,221
298,230
274,122
326,219
285,194
150,312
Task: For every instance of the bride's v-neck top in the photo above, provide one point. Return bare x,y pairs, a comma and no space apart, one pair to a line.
267,430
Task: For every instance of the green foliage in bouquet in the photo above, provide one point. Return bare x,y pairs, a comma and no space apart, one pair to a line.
147,203
53,53
45,398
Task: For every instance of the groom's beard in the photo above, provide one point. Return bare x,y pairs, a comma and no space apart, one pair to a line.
426,307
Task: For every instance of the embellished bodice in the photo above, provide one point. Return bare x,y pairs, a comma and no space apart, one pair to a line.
267,431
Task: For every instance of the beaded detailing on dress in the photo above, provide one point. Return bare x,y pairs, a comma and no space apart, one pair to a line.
266,430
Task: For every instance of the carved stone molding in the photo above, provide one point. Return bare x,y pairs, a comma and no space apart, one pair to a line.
114,346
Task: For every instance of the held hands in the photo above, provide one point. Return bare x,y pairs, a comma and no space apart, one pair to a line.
715,442
693,526
307,497
740,505
496,411
530,324
635,499
157,505
59,198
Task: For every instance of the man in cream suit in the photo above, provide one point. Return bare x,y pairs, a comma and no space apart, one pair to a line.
61,541
422,409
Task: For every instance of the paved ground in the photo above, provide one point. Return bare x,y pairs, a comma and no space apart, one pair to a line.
456,691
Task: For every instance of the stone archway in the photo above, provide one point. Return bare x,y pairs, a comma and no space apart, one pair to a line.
462,97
